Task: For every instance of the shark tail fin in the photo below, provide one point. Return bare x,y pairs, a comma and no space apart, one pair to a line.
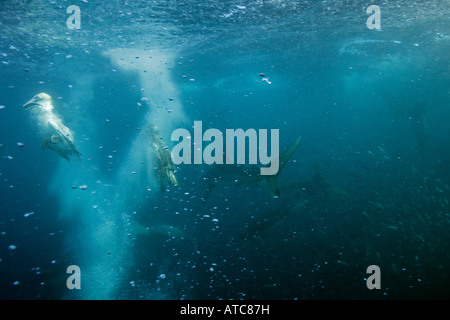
272,181
287,154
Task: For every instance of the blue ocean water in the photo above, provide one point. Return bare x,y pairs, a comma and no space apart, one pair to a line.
368,185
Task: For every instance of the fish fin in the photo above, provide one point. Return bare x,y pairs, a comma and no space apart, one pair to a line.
287,154
272,180
272,183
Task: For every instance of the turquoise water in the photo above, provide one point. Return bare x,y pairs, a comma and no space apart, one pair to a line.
369,183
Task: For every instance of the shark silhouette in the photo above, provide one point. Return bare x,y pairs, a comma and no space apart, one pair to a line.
237,175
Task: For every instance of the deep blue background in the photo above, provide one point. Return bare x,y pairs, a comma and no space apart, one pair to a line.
369,183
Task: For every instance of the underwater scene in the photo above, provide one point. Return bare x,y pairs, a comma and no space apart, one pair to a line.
224,150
